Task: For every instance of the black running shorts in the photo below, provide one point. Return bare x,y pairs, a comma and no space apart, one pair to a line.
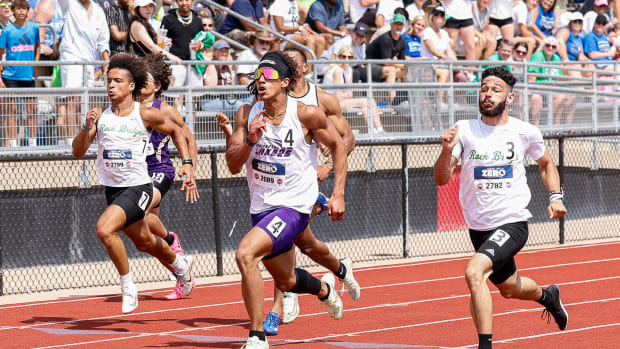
162,183
453,23
133,200
501,245
500,22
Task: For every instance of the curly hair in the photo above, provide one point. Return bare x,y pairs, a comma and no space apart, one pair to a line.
158,65
501,73
135,66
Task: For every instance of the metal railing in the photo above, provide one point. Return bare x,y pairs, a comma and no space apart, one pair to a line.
420,107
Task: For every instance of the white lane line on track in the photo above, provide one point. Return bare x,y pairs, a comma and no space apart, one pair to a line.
574,330
348,334
441,321
401,265
366,287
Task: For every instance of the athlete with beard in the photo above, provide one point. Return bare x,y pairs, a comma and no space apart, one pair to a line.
494,195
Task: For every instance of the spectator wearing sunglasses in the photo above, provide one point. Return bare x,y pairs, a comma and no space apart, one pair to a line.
596,45
601,7
562,104
343,74
6,14
570,41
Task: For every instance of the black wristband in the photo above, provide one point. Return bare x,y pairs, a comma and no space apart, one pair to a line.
247,140
187,161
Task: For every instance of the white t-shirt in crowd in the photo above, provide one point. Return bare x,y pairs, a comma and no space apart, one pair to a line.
287,9
359,51
457,9
500,9
246,55
440,42
494,188
520,15
414,11
356,10
386,8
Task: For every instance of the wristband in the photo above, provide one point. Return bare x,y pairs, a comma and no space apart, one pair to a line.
329,163
247,140
556,195
87,128
187,161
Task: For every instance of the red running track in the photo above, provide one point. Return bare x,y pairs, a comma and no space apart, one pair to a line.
421,304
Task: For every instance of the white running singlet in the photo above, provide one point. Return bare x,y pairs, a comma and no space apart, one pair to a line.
311,97
121,156
494,188
281,168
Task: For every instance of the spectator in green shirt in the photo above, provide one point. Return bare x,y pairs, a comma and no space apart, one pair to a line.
503,53
562,104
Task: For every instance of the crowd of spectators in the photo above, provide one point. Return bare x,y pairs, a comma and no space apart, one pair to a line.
91,30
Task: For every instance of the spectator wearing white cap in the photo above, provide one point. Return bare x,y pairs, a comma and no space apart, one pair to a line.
601,7
562,104
570,41
142,36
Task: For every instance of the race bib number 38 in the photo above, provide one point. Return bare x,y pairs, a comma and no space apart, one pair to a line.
493,179
268,174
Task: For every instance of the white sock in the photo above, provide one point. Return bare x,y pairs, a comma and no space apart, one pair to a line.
180,265
126,279
32,142
13,143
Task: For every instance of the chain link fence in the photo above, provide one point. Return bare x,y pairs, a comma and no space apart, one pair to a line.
49,206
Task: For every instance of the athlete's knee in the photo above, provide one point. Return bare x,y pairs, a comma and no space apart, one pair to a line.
244,258
304,283
474,276
104,233
508,291
286,284
146,245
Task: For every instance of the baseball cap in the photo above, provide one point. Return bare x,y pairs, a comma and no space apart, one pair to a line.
361,29
568,17
399,18
438,11
601,3
601,19
220,44
143,3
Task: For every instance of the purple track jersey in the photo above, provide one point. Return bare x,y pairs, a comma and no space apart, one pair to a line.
160,161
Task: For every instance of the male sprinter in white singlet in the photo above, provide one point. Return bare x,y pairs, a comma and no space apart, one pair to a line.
123,133
287,303
494,195
274,139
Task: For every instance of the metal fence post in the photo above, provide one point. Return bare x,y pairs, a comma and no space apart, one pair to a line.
405,201
216,215
561,172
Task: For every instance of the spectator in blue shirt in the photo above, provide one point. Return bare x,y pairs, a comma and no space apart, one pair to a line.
327,17
241,31
412,37
596,45
20,41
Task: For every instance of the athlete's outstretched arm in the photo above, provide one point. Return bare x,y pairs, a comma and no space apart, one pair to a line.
155,119
324,132
330,104
191,190
446,163
237,148
551,180
84,139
